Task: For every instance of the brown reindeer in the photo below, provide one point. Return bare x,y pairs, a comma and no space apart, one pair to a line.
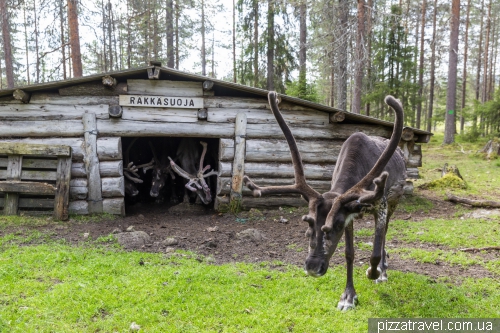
368,178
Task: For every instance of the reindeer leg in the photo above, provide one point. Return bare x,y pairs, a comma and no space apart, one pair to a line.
381,217
383,263
349,299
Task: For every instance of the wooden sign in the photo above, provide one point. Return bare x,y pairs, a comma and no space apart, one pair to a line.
161,101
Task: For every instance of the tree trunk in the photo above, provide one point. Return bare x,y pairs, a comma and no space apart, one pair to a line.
449,133
74,38
26,47
110,35
203,51
37,66
170,34
464,75
486,54
270,45
303,50
343,16
63,46
177,14
360,45
479,53
234,41
7,46
369,28
256,43
421,65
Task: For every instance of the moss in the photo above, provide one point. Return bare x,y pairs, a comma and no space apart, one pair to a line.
449,180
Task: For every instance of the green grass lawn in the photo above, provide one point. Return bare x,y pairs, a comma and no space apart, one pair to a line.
89,288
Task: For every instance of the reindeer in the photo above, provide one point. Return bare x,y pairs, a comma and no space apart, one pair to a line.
161,170
368,178
188,155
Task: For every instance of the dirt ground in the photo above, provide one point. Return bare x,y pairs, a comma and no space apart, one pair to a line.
215,235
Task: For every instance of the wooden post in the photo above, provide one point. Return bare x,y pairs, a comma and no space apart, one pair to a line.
14,168
92,163
154,74
61,200
240,131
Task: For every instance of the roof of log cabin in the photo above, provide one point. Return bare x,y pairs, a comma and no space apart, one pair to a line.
220,88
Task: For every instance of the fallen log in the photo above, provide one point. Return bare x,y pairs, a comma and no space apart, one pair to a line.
488,248
473,203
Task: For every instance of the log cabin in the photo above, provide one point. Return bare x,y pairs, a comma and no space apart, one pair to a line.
95,116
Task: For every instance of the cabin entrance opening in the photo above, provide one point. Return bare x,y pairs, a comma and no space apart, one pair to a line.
153,183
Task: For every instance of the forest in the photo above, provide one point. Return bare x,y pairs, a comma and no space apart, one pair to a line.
438,57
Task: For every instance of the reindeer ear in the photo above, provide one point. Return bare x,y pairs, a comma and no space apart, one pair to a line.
369,197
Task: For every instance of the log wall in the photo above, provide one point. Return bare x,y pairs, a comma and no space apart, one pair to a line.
78,115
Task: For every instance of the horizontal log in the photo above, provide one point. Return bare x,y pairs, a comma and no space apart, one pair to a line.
165,88
255,116
159,114
224,184
76,144
79,207
226,149
132,128
78,170
33,163
78,193
31,149
412,173
278,151
111,168
27,187
115,206
32,203
78,182
250,103
56,99
93,89
279,170
53,128
51,112
41,175
265,202
113,187
330,131
109,149
473,203
22,96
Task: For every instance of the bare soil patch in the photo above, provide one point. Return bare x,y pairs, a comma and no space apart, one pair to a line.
217,235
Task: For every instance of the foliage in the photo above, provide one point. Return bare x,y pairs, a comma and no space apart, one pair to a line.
302,89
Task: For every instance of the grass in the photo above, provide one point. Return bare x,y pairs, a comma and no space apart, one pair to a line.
58,288
482,176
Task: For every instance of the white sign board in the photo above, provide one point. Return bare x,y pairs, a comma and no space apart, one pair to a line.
161,101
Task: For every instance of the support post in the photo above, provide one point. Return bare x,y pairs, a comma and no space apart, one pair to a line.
240,131
14,167
92,163
61,200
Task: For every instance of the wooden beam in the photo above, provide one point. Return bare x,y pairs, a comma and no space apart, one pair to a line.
154,63
93,89
115,111
337,117
115,206
208,85
92,163
34,149
165,88
279,170
61,200
153,74
113,187
407,134
24,112
27,187
202,114
109,82
239,157
22,96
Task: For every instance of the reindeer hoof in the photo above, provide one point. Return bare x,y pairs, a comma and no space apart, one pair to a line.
373,275
347,303
382,278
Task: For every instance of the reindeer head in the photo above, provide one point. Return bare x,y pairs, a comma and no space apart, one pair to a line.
159,175
330,212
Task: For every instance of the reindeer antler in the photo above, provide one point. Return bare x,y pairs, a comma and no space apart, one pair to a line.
376,175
